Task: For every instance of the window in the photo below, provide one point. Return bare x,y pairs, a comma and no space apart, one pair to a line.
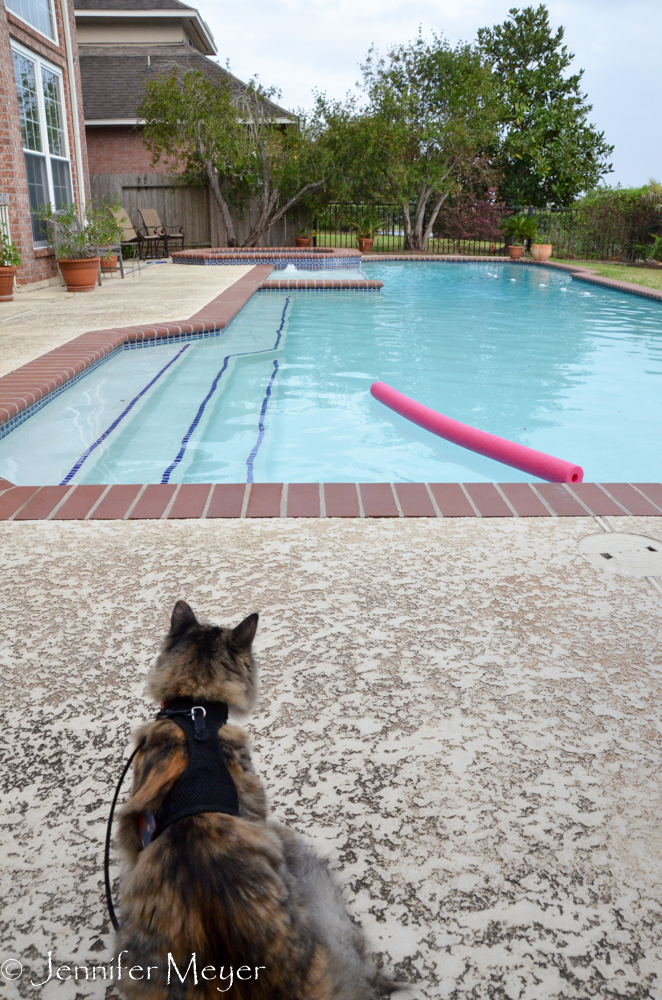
38,13
39,90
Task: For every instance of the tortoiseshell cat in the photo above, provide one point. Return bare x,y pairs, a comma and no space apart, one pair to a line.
233,889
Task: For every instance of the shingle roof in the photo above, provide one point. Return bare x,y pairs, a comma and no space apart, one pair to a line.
130,5
113,79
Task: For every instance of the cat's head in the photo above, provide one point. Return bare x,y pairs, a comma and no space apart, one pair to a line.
209,662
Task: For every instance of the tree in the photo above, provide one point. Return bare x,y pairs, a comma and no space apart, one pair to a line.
288,165
227,135
548,153
431,113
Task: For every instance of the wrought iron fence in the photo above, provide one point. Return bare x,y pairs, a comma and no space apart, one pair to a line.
566,229
337,227
573,237
334,227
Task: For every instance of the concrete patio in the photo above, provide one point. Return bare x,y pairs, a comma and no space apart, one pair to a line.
462,714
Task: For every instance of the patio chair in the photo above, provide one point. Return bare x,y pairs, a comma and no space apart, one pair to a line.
152,226
129,237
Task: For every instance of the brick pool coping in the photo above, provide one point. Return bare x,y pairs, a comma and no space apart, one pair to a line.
29,385
320,500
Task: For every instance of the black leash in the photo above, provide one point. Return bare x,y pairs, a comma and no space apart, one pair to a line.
109,829
197,712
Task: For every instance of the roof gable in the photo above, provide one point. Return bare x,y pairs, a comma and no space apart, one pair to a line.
113,79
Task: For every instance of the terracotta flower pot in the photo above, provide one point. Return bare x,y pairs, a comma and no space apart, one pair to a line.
515,252
366,244
7,283
80,275
109,263
541,251
303,241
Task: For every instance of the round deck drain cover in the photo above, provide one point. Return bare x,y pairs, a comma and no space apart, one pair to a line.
634,555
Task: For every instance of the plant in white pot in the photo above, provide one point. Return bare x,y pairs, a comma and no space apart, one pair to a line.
10,261
78,244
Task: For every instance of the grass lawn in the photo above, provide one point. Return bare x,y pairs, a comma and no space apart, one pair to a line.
390,243
620,272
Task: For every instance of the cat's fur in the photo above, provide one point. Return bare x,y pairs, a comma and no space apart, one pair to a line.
234,890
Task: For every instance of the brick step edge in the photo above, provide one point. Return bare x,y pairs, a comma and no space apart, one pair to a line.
241,500
319,284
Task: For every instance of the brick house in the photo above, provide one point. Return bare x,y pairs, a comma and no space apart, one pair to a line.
43,153
123,44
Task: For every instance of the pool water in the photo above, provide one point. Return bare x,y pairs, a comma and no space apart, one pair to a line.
283,395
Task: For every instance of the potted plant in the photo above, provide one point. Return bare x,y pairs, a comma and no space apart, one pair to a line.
518,229
367,225
77,245
542,248
304,239
10,261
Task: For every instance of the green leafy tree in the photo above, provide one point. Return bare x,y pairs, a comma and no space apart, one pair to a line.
431,112
206,129
549,153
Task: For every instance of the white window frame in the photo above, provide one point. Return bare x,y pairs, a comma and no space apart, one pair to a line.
39,61
55,38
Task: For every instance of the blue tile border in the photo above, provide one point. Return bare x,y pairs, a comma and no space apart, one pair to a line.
279,264
275,286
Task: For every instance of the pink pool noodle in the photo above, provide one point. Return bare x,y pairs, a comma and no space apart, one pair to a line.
536,463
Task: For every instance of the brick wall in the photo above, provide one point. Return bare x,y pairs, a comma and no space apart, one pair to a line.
37,264
119,150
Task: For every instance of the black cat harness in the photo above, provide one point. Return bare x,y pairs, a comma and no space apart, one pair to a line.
205,785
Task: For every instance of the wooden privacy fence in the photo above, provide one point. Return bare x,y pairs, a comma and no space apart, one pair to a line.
192,208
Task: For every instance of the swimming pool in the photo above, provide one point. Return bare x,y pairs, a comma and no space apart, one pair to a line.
283,395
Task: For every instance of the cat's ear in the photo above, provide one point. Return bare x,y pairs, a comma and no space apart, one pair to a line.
182,619
242,636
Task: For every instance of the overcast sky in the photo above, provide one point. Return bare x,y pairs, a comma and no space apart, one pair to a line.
297,45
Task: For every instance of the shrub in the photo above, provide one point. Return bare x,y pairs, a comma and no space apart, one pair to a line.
467,217
610,223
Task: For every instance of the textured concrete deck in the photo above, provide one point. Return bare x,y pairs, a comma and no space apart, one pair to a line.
463,714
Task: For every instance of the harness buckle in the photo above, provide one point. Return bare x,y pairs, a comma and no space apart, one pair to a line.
199,716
